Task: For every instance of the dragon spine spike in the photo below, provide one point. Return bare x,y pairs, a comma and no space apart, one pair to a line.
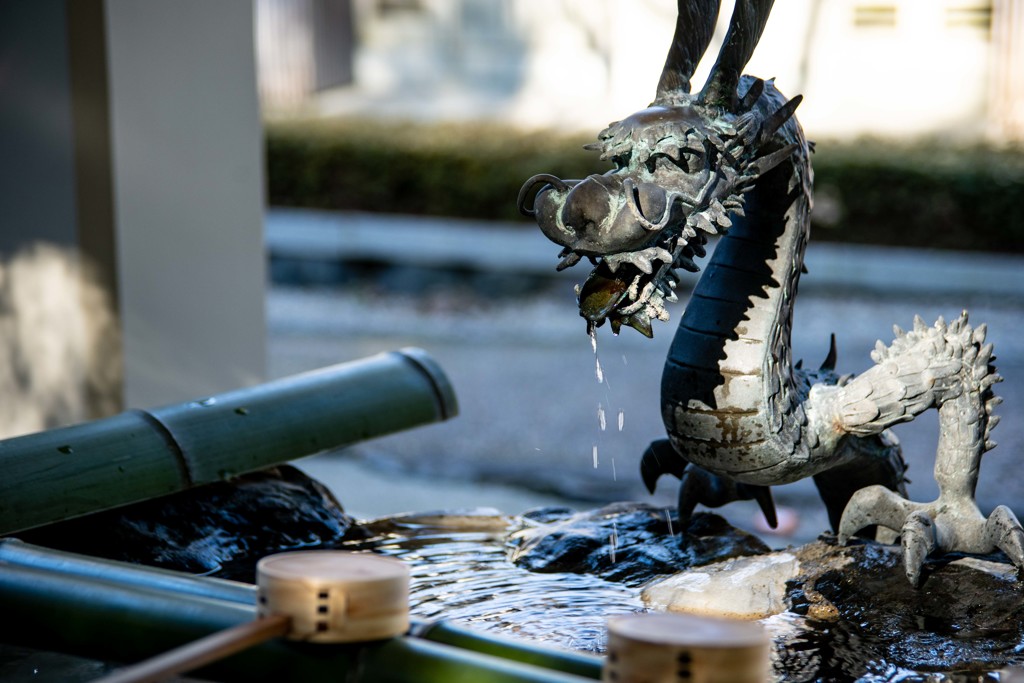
781,115
770,161
829,363
984,358
695,25
992,403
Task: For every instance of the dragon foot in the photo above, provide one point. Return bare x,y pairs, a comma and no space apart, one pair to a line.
947,524
698,486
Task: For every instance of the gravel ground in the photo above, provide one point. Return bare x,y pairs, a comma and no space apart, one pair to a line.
524,372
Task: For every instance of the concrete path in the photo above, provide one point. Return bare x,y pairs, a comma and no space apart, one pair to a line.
529,431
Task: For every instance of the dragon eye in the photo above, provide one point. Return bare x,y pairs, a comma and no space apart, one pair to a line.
691,162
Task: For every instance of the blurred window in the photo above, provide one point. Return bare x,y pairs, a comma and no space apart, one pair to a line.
874,16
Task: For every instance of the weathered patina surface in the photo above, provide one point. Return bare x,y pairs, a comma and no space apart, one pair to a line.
731,160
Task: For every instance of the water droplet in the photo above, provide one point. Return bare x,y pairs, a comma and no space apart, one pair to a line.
241,410
624,361
594,452
66,450
593,338
612,546
622,419
615,477
205,402
598,371
601,418
668,519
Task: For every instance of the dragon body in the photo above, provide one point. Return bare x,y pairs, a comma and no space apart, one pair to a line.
731,160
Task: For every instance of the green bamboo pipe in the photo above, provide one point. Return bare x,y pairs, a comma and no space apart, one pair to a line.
15,553
106,620
141,454
587,666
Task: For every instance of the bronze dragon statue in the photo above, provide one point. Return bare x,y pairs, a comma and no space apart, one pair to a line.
731,160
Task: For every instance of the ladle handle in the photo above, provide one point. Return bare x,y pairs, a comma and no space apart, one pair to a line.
203,651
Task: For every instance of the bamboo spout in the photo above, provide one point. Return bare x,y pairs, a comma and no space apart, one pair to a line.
141,454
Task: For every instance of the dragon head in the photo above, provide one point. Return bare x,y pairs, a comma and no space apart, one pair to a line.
682,166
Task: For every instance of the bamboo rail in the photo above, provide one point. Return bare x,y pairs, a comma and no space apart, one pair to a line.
57,605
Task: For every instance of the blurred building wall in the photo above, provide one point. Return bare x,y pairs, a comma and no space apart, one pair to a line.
1007,94
889,68
131,256
303,46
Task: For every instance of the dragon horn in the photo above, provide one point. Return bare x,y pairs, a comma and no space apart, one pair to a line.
745,28
695,24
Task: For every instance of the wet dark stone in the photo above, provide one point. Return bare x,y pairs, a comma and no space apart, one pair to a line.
221,528
26,664
625,542
873,625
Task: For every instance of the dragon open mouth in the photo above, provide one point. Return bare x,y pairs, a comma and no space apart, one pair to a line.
636,235
632,288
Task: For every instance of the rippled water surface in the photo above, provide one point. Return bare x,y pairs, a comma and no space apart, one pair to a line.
461,572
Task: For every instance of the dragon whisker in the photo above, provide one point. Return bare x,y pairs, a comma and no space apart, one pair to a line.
524,192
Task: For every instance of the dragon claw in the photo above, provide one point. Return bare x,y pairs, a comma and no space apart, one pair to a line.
1005,532
948,524
919,541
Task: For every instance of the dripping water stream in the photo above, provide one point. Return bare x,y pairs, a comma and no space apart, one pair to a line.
603,407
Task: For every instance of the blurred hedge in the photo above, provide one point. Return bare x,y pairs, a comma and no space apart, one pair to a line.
868,192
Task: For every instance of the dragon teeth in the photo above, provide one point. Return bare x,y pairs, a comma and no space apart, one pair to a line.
702,221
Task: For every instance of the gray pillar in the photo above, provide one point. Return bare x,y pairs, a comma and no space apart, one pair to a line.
188,184
131,244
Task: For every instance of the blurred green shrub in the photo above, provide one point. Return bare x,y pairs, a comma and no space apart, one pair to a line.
921,195
873,192
462,170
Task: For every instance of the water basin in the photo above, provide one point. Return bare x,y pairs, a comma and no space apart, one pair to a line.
880,630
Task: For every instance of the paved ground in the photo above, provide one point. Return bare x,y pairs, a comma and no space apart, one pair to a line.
524,372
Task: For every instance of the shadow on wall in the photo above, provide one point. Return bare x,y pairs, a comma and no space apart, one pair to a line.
60,350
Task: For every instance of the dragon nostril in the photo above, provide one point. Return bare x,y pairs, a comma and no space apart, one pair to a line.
649,203
652,201
587,206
